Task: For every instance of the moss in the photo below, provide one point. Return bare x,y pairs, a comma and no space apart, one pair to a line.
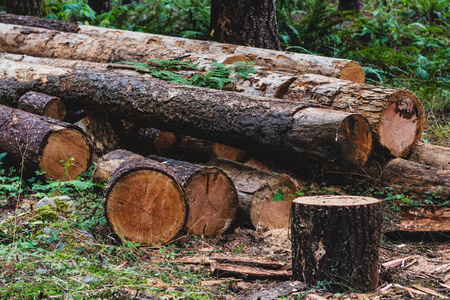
46,213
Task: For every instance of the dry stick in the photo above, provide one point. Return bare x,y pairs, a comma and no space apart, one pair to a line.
137,46
396,116
231,118
59,148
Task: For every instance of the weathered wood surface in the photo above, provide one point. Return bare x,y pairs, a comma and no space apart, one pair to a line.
42,104
396,116
145,203
246,122
432,155
256,190
336,239
100,44
212,196
59,148
219,269
38,22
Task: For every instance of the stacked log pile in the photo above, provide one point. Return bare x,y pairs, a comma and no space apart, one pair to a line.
282,111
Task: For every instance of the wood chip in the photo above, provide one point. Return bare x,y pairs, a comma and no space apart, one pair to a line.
219,269
428,291
410,290
121,265
395,262
212,282
446,278
383,288
445,285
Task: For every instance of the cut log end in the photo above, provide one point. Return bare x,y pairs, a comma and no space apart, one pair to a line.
354,72
146,206
55,109
355,131
65,155
401,123
165,141
227,152
336,200
215,213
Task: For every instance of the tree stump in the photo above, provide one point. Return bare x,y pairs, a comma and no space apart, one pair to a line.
43,105
335,240
59,148
145,203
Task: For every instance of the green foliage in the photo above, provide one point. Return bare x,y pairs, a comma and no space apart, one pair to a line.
218,76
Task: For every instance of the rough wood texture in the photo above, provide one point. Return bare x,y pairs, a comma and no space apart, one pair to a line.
246,122
416,177
245,22
256,191
144,203
38,22
211,150
100,45
432,155
100,134
275,291
336,239
42,104
212,197
396,116
58,148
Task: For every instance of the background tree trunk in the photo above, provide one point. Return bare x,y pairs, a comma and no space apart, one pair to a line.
24,7
100,6
245,22
350,5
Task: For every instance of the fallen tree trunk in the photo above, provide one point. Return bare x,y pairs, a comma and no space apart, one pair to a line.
145,203
336,239
435,156
396,116
415,177
256,190
230,118
100,44
211,193
43,105
38,22
58,148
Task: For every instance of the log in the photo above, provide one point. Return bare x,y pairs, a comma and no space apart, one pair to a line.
211,193
396,116
335,240
246,122
43,105
100,134
58,148
144,203
211,150
432,155
100,44
422,179
155,140
38,22
256,190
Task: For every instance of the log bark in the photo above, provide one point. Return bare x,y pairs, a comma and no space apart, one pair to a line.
211,150
396,116
402,174
155,141
43,105
435,156
245,22
144,203
58,148
230,118
256,190
335,239
100,45
38,22
100,134
212,197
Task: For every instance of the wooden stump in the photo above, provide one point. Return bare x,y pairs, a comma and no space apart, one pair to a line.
335,239
144,203
43,105
256,190
59,148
